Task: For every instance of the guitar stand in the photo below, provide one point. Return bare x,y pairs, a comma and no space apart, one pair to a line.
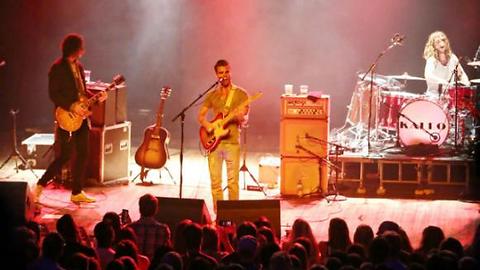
144,173
15,154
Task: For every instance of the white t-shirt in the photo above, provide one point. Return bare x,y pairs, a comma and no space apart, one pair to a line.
437,74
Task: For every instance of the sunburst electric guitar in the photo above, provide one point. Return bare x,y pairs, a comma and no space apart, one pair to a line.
210,140
70,121
153,152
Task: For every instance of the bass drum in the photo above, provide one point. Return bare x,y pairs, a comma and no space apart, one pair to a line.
422,121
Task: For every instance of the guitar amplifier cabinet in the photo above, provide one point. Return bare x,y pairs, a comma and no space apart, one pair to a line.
110,153
113,110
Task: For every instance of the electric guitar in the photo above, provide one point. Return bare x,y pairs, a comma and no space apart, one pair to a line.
70,121
153,152
210,140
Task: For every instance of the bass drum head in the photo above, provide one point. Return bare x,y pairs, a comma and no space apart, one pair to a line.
422,121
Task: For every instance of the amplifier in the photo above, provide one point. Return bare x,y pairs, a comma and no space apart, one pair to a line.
113,110
301,106
110,153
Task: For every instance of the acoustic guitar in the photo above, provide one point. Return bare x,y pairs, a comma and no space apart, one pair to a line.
153,152
210,140
70,121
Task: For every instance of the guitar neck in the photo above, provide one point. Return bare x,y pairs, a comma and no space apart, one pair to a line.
159,121
233,113
95,97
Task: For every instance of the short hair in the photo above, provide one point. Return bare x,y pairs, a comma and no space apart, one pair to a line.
52,246
104,234
148,205
221,63
71,44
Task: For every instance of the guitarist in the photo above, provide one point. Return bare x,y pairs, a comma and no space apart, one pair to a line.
223,99
66,85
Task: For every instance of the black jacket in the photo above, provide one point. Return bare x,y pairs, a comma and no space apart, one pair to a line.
61,84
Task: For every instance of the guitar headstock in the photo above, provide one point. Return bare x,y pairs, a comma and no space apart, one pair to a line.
255,96
118,79
165,93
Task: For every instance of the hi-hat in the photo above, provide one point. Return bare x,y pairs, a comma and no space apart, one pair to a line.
474,63
475,81
405,76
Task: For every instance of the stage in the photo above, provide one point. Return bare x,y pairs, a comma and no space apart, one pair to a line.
457,218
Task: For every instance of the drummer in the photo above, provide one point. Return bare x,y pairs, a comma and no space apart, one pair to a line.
440,65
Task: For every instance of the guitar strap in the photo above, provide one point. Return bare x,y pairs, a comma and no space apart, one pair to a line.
228,103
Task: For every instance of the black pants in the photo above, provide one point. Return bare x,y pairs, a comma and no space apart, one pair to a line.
78,142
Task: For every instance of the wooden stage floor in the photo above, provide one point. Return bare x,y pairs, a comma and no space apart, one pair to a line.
457,218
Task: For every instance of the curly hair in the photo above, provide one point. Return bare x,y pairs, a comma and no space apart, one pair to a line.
430,50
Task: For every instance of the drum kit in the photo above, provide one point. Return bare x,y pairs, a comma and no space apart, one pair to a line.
400,118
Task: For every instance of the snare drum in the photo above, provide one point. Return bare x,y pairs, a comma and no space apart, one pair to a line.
390,104
422,121
466,98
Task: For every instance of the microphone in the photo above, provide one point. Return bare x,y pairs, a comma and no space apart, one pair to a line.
397,39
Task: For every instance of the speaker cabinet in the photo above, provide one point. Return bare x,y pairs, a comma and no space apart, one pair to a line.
109,153
15,202
311,134
173,210
307,174
250,210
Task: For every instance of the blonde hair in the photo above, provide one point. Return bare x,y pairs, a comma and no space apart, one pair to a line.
430,50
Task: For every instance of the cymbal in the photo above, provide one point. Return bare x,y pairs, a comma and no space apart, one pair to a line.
475,81
378,79
405,76
474,63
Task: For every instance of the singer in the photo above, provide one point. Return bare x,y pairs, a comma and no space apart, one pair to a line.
225,98
440,65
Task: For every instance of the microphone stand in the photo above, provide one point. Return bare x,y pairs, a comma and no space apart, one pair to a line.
455,77
395,41
320,161
338,148
181,114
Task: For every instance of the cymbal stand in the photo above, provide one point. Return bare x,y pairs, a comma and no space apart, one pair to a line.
15,154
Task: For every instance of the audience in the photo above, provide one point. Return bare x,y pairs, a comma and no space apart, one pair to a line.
252,247
104,236
68,229
52,249
150,233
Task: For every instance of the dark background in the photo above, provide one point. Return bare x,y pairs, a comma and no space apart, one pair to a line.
321,43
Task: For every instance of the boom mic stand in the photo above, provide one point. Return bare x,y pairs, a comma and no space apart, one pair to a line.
339,149
396,40
15,154
181,114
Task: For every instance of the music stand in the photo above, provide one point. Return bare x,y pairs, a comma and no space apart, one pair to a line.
15,154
